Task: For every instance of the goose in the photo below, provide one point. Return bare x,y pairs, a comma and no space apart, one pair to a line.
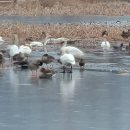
1,59
46,73
76,52
46,58
67,60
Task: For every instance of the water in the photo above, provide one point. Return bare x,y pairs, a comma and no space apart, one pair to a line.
94,99
99,20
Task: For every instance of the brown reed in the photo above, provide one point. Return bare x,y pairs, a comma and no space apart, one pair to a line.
69,31
68,7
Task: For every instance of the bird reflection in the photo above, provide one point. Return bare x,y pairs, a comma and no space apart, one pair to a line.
67,87
14,80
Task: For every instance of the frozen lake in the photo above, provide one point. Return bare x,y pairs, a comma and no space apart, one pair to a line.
97,98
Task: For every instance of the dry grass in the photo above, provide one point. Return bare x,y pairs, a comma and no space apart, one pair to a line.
68,31
68,7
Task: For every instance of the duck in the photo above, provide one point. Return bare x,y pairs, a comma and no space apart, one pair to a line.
125,35
104,33
23,64
18,57
128,47
82,63
34,65
47,59
67,60
119,48
46,73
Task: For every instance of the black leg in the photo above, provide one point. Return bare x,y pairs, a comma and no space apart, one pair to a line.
64,68
70,69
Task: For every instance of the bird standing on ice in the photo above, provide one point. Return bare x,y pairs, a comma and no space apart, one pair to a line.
67,60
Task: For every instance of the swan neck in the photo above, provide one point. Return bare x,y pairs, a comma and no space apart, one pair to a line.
65,44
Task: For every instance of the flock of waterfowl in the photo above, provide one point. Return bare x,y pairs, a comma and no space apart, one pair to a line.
19,56
107,46
69,55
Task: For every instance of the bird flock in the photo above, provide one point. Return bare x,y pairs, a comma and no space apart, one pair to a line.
19,55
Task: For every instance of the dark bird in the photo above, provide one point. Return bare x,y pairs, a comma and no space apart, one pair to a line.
47,59
81,63
34,65
23,64
1,59
126,34
18,57
104,33
128,48
46,73
120,48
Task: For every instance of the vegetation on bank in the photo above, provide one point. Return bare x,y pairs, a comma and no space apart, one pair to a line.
69,31
66,7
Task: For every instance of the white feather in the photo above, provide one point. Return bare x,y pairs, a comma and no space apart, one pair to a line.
55,40
13,50
1,40
36,43
25,49
67,59
105,45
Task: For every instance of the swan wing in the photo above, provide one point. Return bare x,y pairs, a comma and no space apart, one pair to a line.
74,51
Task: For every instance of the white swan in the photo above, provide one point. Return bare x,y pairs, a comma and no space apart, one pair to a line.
26,50
55,40
36,44
1,40
77,53
67,60
105,45
13,50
